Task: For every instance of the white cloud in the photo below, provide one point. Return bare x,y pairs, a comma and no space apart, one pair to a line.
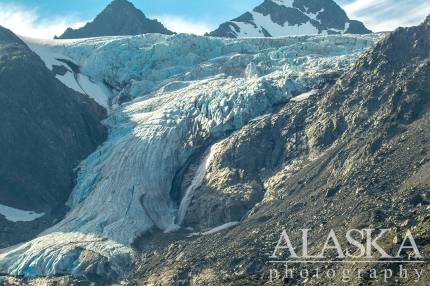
357,6
180,24
384,15
28,22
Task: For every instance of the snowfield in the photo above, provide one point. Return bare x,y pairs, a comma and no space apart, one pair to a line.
52,56
16,215
186,92
247,30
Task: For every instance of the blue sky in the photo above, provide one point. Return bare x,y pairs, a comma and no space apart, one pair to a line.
46,18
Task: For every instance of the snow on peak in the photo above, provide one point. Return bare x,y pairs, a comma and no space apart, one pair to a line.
275,18
286,3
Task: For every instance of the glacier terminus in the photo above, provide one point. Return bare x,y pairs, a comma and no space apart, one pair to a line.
168,97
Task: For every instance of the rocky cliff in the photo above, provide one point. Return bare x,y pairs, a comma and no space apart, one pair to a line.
46,129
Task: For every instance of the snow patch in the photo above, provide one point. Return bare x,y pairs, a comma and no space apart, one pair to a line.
314,16
304,96
286,3
51,55
347,25
17,215
221,228
216,229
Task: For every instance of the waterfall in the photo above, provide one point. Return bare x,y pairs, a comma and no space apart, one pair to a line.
197,181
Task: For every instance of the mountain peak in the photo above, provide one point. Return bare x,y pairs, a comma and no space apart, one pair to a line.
119,18
121,4
291,17
427,21
7,36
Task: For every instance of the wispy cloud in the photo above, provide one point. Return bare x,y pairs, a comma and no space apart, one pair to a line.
181,24
357,6
387,15
28,22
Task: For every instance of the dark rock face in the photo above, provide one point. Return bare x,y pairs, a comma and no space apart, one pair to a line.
303,17
7,37
119,18
354,156
46,129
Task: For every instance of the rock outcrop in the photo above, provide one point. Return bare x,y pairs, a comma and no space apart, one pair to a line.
46,129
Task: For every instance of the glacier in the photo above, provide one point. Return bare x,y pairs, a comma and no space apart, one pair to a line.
169,96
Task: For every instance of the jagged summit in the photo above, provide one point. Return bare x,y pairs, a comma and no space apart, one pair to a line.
6,36
291,17
119,18
427,21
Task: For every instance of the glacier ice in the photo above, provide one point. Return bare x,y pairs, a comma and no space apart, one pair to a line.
67,253
52,56
186,92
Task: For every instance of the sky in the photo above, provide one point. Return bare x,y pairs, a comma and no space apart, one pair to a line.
46,18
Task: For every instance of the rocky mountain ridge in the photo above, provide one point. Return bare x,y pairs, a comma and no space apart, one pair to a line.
274,18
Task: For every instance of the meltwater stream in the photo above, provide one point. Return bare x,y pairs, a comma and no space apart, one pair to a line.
185,92
196,182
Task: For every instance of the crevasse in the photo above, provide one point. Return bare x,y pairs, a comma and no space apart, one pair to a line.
186,91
